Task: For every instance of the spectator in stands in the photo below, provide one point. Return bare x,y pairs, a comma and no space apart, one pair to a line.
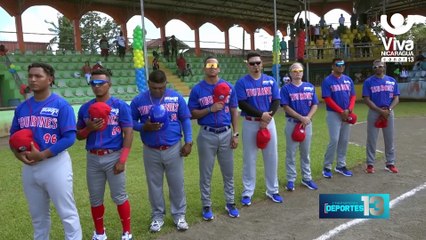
337,44
283,46
155,64
331,32
3,50
403,75
354,18
188,70
357,45
366,41
320,45
166,50
155,53
317,32
87,71
341,20
104,46
181,64
121,44
97,66
286,80
322,22
174,46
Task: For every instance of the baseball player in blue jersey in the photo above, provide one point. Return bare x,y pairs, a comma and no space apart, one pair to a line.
258,98
300,104
47,173
381,94
108,142
215,115
163,151
339,96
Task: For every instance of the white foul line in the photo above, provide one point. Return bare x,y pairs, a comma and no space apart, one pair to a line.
333,232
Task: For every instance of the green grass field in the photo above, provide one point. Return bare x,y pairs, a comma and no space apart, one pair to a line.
16,224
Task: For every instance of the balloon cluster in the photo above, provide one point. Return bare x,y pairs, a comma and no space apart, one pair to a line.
138,58
13,68
276,55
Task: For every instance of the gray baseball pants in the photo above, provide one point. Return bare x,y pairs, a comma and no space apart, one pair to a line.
339,138
304,149
372,134
270,158
209,145
100,169
51,179
169,162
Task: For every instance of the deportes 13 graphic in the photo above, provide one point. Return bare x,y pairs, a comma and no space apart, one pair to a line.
354,206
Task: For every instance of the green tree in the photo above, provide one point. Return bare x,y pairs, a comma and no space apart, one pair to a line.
92,27
417,33
64,32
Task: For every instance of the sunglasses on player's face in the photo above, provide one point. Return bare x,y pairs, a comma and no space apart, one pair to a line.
379,66
254,63
212,65
340,64
97,82
297,71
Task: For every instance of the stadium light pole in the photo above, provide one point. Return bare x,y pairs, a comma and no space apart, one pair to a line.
308,42
275,34
144,37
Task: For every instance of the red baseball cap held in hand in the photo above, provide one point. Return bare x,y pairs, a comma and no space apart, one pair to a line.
100,110
21,140
298,134
262,138
221,93
352,117
381,122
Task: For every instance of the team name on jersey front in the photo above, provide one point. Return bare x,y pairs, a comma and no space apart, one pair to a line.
38,121
389,87
262,91
346,86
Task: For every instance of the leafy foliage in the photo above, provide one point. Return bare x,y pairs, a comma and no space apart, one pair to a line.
92,27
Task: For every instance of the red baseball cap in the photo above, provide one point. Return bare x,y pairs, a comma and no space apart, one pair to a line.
100,110
221,92
381,122
352,117
21,140
298,134
262,138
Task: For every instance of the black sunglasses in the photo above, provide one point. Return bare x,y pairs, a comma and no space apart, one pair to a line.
254,63
376,67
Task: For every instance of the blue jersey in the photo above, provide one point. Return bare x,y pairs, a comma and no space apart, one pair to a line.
177,110
381,91
299,98
339,89
201,97
112,137
258,93
48,119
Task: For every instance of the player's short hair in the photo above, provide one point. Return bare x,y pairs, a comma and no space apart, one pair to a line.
103,71
208,58
252,54
378,61
336,60
157,76
296,64
48,69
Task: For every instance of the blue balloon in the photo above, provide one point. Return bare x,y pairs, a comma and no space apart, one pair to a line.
11,70
276,72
